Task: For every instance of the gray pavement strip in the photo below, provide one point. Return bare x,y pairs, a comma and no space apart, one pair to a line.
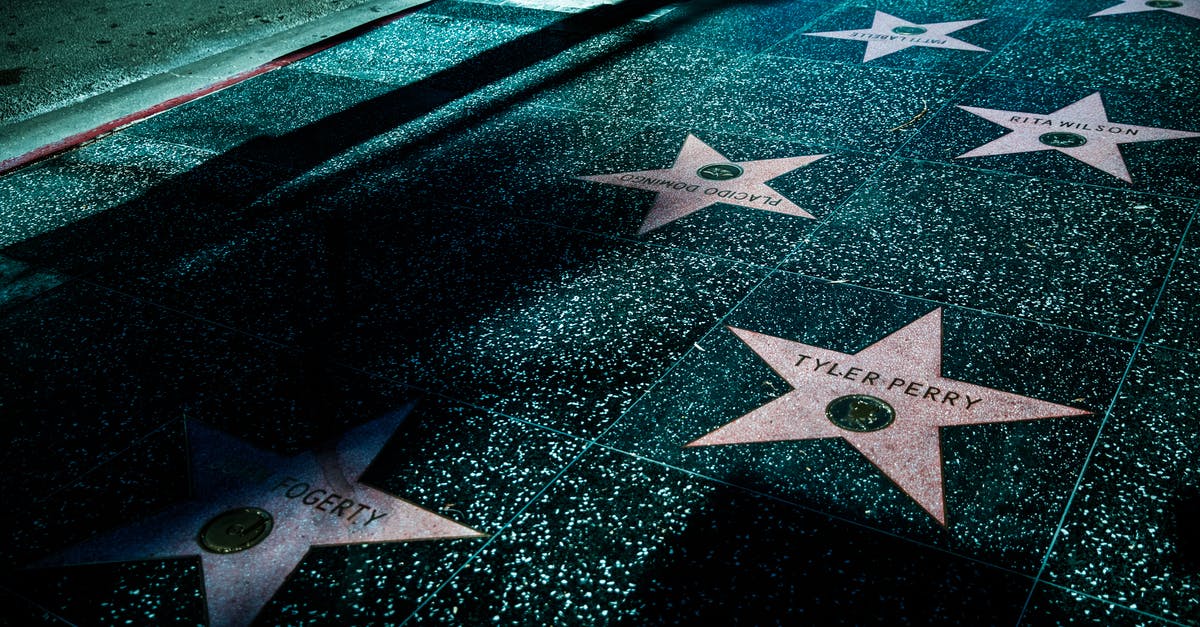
74,117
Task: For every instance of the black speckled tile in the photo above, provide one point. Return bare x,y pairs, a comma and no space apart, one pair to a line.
638,81
559,327
20,610
1005,484
417,47
732,231
510,162
620,541
1084,257
1102,54
20,282
1051,605
1176,320
86,372
145,475
1130,534
991,34
467,463
843,106
153,592
321,112
127,202
1163,167
749,27
89,181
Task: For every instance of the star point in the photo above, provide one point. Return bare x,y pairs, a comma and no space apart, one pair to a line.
889,34
1080,130
1187,8
888,401
702,177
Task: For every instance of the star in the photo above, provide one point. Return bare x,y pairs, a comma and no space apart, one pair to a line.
1190,8
888,401
312,499
889,34
1080,130
702,177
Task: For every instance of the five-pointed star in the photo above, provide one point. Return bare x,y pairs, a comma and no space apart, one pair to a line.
1190,8
904,370
702,177
889,34
314,498
1080,130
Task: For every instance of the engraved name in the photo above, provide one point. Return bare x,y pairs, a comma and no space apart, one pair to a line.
651,183
1076,126
870,377
320,498
900,38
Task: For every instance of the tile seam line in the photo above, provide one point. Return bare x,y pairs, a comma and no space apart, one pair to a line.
34,603
79,139
135,443
1134,610
1107,416
428,597
968,80
817,512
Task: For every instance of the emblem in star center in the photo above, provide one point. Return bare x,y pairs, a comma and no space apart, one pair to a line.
702,177
312,499
889,34
1080,130
888,400
1189,8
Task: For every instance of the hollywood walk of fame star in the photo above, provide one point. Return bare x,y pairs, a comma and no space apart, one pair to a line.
889,34
1080,130
311,499
1190,8
702,177
888,401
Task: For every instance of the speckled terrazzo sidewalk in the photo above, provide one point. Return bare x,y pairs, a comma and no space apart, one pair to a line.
625,313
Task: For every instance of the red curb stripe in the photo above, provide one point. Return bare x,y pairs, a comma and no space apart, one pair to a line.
78,139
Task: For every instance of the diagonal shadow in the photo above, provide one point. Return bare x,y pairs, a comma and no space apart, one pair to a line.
117,236
184,215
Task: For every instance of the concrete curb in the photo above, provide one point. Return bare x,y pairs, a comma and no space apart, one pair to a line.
42,136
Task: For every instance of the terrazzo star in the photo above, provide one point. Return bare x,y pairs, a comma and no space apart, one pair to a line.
1080,130
702,177
1190,8
888,400
255,515
889,34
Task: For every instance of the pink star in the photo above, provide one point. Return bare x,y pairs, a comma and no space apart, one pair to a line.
1080,130
702,177
889,34
1190,8
313,499
901,376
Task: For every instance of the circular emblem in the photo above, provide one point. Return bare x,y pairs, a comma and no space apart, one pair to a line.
859,412
1164,4
720,171
236,530
910,30
1062,140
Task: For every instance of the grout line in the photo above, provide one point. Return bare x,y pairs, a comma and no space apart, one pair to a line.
1104,422
37,605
